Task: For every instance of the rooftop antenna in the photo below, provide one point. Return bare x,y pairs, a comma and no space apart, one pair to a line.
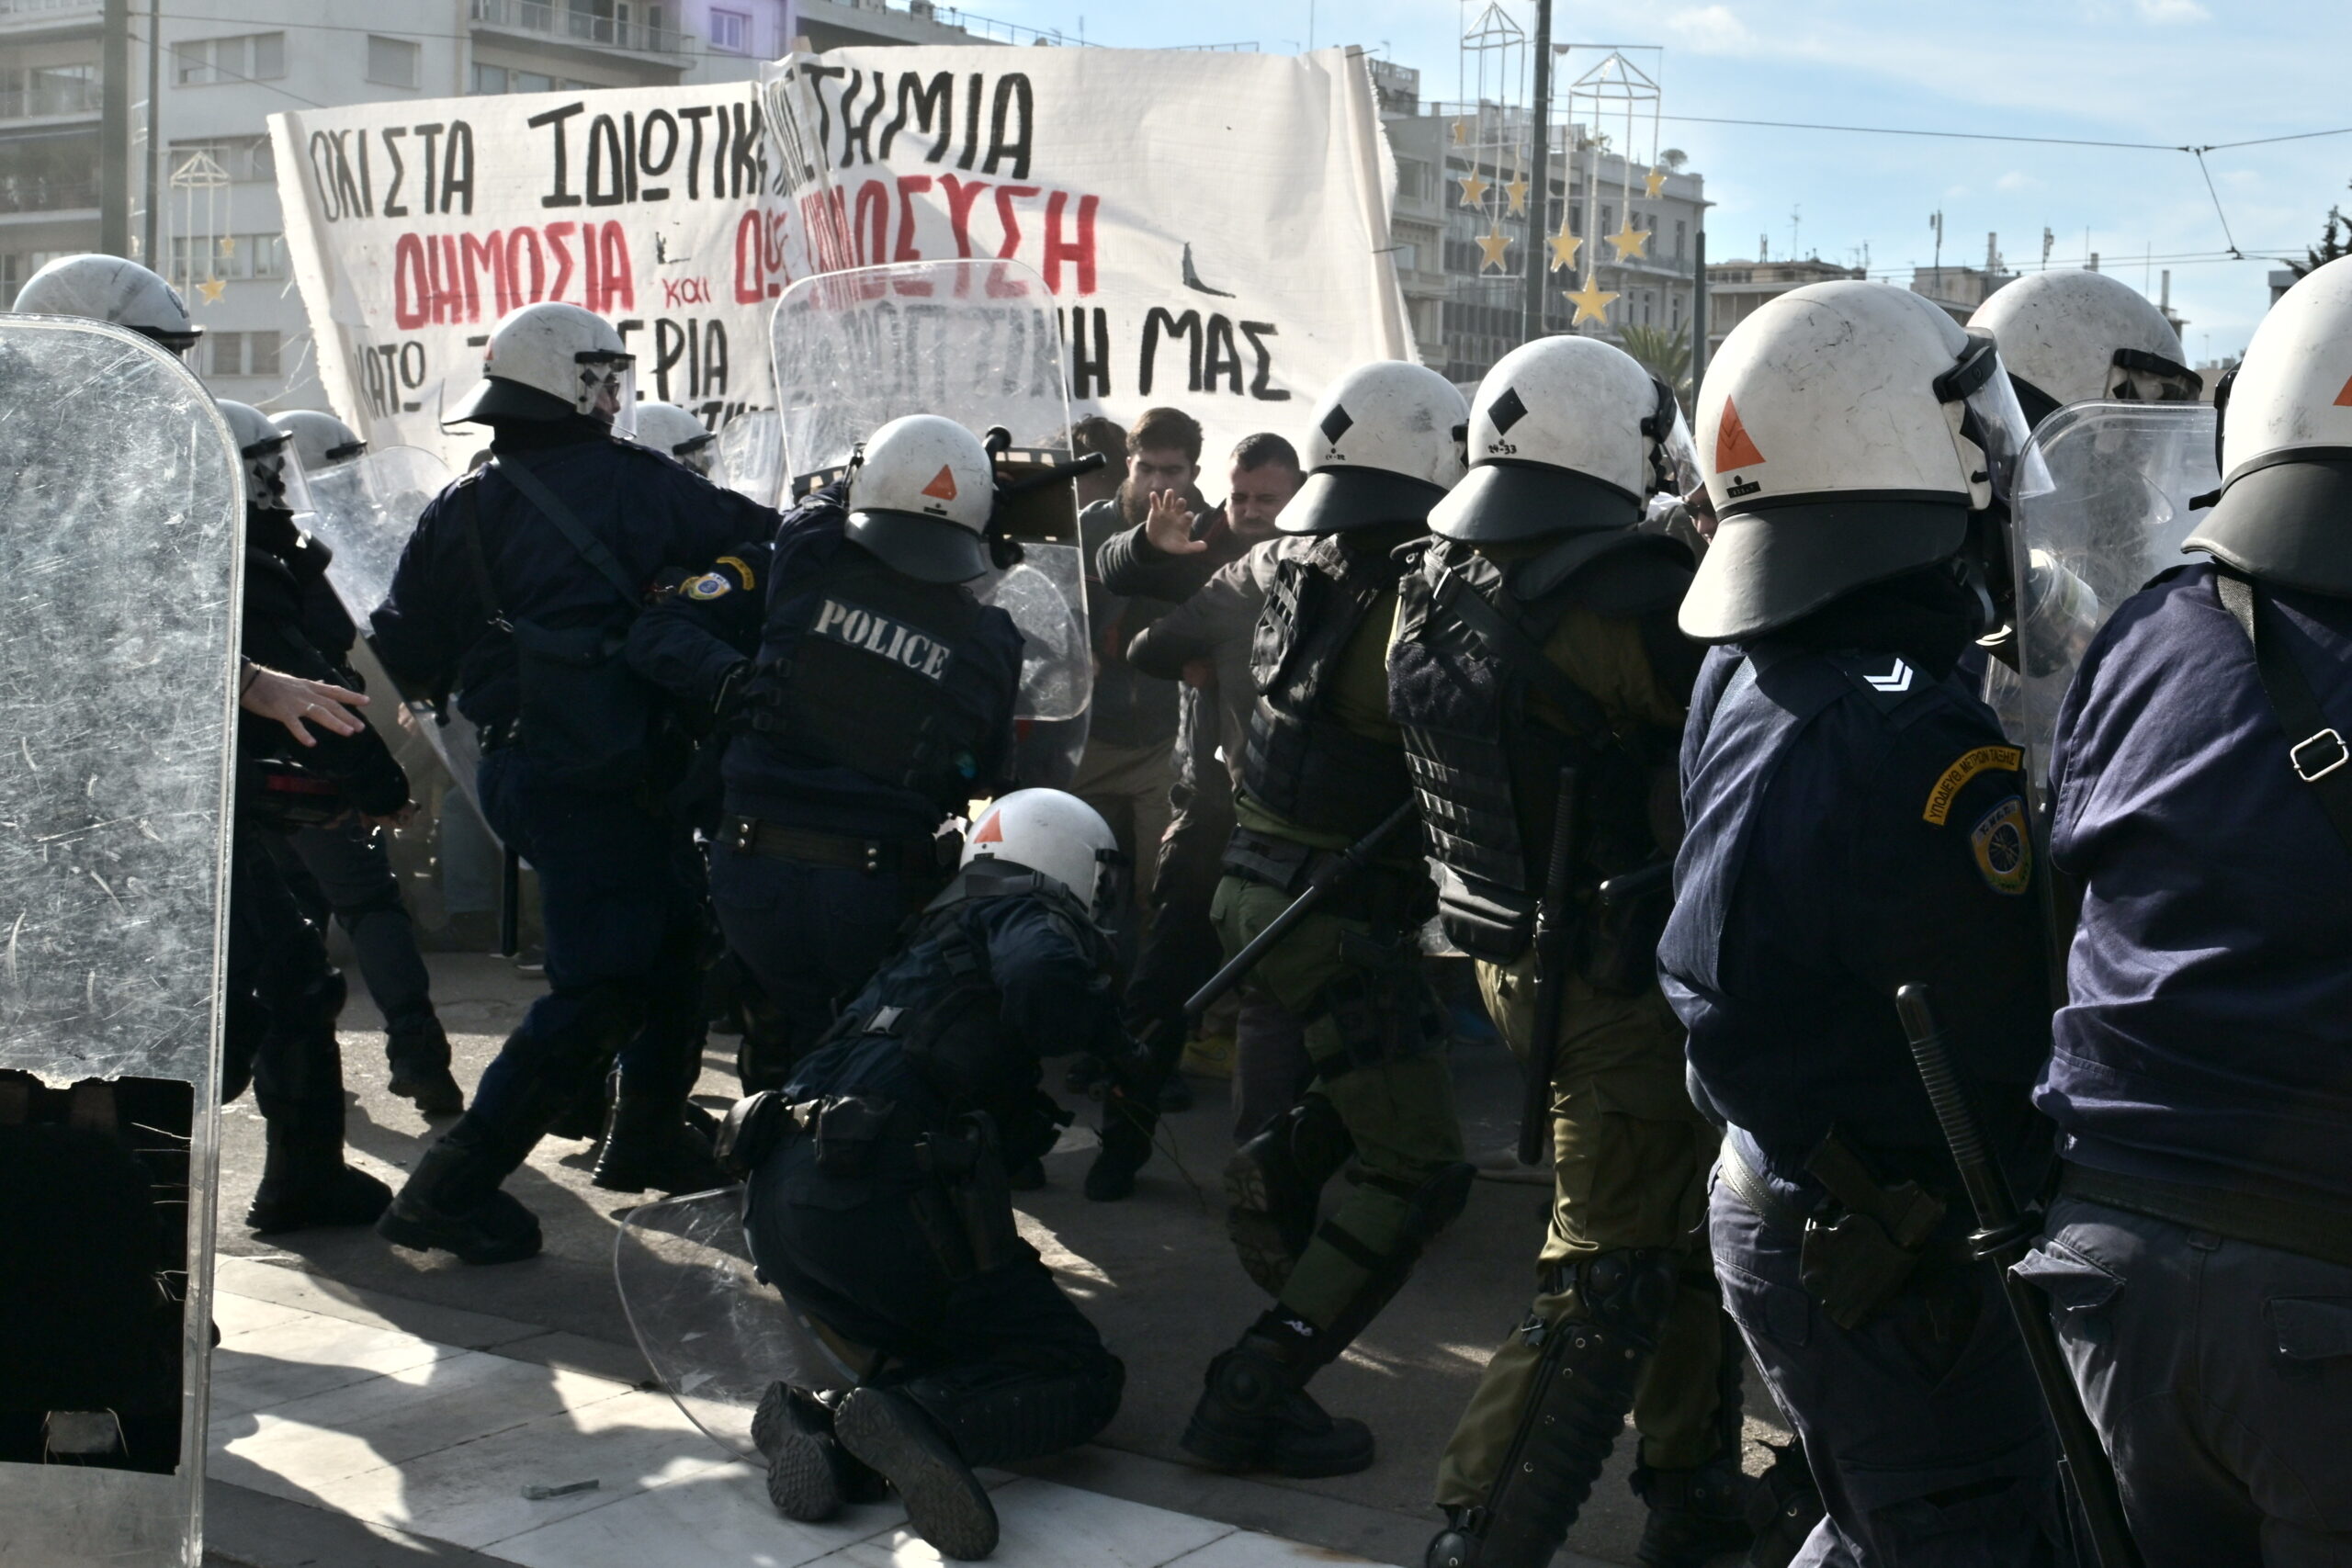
2048,240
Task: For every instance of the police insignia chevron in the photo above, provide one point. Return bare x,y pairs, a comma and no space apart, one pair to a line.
2004,852
1896,679
869,631
1889,679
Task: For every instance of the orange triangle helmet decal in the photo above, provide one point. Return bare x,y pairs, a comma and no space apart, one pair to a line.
942,488
991,829
1735,448
2343,397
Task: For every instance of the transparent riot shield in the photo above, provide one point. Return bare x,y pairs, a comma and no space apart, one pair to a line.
117,685
977,342
750,456
2104,508
365,509
714,1335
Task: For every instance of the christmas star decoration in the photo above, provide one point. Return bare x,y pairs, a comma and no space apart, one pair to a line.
1565,247
1655,181
1491,244
1630,241
1517,190
1461,134
1592,302
212,289
1473,190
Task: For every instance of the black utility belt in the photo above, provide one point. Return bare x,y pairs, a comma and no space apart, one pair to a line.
2307,1230
918,859
497,735
1287,866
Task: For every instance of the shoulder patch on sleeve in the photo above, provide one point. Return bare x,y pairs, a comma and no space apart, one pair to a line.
743,570
1983,758
710,585
2004,847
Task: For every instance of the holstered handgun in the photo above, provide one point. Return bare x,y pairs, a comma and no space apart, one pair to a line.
1855,1264
968,1180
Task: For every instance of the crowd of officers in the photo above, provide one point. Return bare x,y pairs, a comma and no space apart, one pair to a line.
1680,742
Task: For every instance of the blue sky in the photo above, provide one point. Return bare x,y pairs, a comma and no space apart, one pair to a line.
2173,72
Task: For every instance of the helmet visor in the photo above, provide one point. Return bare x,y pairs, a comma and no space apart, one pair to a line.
274,481
608,390
1993,419
1677,458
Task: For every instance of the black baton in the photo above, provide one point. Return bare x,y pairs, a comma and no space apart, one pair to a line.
2001,1239
1553,931
1353,859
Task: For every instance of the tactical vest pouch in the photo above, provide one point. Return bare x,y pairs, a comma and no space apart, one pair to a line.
1482,925
753,1129
1279,864
586,717
849,1130
1617,939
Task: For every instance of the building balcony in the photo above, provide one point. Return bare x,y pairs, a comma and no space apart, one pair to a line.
18,17
62,198
540,20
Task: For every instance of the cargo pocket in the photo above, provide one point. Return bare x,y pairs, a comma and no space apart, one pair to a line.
2313,1329
2075,1284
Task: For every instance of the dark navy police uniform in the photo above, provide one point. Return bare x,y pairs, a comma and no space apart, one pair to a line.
1856,824
878,707
620,884
2199,1258
882,1211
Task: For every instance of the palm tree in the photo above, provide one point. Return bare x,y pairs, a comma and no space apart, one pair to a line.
1665,354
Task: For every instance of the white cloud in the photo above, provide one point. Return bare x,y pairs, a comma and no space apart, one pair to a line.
2164,13
1713,29
2015,180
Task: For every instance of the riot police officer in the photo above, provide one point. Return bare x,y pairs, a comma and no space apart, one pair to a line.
1537,637
2198,1255
516,592
877,1202
283,997
109,288
666,427
345,868
880,705
1325,766
1855,824
2070,337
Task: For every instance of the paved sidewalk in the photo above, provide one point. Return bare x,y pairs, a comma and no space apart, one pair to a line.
319,1399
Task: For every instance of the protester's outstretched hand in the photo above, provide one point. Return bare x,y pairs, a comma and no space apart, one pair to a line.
1168,525
298,704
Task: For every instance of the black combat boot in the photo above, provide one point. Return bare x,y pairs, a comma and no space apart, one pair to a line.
810,1475
1696,1516
304,1181
419,1053
947,1504
452,1201
652,1142
1274,1187
1255,1415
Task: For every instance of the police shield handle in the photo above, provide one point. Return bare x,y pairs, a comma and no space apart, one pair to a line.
2002,1239
1354,859
1554,930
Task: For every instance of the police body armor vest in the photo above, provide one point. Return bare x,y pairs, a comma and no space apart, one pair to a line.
881,678
1301,763
1484,767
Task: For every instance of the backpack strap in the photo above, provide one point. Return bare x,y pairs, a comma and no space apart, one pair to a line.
2320,759
567,523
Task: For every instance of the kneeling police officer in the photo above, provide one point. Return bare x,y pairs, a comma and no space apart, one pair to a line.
878,1200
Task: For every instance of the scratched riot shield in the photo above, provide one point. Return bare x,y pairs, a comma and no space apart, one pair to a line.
118,683
977,342
714,1335
750,456
365,509
2104,509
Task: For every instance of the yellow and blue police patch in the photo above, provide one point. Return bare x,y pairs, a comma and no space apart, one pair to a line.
710,585
2004,847
2006,759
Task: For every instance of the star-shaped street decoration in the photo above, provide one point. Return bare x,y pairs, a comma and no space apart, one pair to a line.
1517,190
212,289
1491,245
1461,134
1630,241
1473,190
1565,247
1592,302
1655,181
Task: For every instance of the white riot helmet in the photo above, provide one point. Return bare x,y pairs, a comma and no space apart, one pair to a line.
271,482
320,440
1567,435
1386,445
551,361
1848,433
921,492
2073,337
669,429
108,288
2285,511
1056,835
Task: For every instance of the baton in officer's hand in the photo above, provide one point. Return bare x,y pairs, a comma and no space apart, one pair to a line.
2002,1237
1354,859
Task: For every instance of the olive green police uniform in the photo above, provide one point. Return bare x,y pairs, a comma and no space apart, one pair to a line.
1626,1310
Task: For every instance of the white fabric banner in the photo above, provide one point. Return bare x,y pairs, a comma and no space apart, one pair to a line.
1213,227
